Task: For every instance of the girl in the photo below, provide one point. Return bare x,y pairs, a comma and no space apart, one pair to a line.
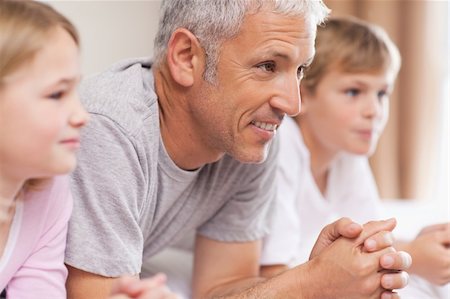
40,121
323,168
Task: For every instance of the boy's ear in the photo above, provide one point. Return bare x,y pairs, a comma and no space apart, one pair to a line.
185,57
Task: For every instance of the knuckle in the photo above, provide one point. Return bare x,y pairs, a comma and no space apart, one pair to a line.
368,287
364,267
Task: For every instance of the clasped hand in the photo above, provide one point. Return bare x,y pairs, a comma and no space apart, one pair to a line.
359,261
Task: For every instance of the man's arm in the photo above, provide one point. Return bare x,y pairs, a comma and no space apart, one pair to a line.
82,285
340,268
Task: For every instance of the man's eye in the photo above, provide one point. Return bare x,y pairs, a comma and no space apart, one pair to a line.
267,66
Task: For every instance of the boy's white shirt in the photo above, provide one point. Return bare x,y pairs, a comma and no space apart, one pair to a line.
300,210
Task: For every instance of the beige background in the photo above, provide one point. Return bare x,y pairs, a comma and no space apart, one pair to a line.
112,30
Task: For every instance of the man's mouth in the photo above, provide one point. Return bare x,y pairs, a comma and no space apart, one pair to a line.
265,126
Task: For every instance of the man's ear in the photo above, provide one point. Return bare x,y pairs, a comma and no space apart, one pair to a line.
185,57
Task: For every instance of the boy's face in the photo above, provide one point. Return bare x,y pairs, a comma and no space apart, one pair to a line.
258,83
41,113
348,111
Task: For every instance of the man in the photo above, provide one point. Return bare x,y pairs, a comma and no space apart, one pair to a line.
185,144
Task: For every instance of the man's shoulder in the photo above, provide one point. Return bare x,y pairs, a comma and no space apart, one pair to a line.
124,93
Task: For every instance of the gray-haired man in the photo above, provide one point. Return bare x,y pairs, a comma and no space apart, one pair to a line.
185,143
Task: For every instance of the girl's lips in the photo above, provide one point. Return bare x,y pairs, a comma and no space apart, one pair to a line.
71,143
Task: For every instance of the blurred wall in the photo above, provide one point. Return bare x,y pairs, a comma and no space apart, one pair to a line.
111,30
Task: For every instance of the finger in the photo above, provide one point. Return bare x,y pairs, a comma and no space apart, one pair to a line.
330,233
160,292
342,227
389,295
137,287
123,284
379,241
397,280
435,227
153,282
400,260
373,227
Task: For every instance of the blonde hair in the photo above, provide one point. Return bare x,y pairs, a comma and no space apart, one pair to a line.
351,45
24,29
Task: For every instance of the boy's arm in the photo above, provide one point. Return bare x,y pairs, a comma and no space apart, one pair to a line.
430,252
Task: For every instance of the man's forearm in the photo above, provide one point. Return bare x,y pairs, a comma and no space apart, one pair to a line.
285,285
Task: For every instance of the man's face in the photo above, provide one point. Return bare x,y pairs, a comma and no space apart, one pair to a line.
258,76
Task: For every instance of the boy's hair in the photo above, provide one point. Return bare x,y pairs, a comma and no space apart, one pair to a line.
351,45
24,29
214,22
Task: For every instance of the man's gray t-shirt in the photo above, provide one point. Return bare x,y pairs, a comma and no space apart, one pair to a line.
131,200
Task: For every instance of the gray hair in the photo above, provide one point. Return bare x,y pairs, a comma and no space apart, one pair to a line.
215,21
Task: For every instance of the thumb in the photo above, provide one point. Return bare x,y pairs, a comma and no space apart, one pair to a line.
343,227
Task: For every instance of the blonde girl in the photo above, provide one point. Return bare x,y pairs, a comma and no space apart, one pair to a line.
40,121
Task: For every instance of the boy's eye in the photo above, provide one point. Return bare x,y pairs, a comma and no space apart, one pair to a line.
352,92
381,94
56,95
267,66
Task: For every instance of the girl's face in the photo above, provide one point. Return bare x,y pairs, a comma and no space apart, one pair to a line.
40,112
348,111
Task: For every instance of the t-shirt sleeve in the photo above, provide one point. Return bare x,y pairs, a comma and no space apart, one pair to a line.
43,274
244,216
105,237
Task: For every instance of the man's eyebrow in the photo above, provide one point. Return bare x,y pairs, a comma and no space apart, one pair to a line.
275,53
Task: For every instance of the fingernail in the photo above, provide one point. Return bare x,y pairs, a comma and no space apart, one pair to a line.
406,259
405,278
371,244
387,282
354,227
386,296
388,239
388,261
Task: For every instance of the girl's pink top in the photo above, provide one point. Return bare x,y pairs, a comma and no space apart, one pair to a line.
32,264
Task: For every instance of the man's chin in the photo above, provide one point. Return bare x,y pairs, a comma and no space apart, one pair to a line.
253,157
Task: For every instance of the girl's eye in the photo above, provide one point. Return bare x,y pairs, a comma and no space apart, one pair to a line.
353,92
56,95
267,66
